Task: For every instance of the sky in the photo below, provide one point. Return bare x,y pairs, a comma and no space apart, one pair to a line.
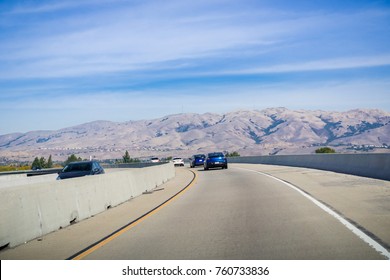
68,62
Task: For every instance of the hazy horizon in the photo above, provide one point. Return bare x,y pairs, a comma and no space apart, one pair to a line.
184,113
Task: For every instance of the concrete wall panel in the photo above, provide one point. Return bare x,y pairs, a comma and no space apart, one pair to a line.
31,210
367,165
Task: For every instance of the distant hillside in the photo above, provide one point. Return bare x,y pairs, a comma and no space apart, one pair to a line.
269,131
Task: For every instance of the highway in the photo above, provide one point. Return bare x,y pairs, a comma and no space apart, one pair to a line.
238,213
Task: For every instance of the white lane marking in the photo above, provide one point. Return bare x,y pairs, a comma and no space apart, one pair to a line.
378,247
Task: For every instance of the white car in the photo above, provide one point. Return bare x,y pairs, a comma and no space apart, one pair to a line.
178,161
154,159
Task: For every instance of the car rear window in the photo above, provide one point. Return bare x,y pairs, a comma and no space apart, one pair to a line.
200,156
78,167
216,155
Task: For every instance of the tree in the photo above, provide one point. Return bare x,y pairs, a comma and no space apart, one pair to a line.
72,158
36,164
42,162
233,154
325,150
49,163
126,157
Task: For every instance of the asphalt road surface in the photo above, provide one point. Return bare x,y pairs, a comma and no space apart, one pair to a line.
224,214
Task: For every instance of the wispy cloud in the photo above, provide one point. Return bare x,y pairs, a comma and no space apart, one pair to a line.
144,50
45,7
317,65
135,37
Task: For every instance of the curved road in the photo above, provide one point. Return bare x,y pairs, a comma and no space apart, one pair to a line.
224,214
236,214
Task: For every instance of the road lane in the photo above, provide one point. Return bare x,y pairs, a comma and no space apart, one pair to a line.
363,201
227,214
233,214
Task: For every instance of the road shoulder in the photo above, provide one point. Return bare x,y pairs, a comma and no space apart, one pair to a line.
363,201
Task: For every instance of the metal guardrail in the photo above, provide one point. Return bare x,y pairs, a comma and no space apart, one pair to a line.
30,173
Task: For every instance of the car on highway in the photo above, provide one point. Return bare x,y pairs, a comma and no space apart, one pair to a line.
154,159
177,161
197,160
215,160
79,169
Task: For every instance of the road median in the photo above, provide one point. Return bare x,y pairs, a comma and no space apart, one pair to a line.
33,210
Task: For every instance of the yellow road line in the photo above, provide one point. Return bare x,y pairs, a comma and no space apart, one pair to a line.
82,254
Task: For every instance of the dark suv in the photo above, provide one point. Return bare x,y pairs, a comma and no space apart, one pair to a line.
79,169
215,160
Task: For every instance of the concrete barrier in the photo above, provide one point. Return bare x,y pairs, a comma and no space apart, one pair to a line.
30,211
8,177
19,180
367,165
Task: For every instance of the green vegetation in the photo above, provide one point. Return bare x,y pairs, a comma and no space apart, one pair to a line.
5,168
41,162
38,163
233,154
72,158
50,162
127,159
325,150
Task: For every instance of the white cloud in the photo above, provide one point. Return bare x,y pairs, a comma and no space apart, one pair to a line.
317,65
132,37
156,57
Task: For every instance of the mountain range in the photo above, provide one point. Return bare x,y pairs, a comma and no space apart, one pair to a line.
250,132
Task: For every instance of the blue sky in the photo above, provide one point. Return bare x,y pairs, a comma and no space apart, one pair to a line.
64,63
